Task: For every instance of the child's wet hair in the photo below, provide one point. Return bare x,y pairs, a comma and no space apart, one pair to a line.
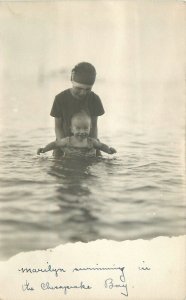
82,114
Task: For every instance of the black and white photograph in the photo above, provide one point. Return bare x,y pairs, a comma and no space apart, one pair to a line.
92,122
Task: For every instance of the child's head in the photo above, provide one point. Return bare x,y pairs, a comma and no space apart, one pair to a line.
81,124
83,77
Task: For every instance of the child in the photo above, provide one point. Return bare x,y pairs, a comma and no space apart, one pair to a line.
78,97
79,144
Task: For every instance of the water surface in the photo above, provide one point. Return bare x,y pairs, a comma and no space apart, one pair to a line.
137,193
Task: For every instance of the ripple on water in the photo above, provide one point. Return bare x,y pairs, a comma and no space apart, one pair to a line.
136,194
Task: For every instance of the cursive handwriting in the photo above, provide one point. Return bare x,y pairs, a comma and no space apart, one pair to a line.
46,270
144,268
122,279
48,286
26,287
109,283
97,269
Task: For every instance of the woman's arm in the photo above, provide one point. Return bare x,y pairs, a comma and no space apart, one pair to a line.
94,129
58,129
59,136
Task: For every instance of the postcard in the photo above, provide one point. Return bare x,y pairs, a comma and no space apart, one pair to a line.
92,158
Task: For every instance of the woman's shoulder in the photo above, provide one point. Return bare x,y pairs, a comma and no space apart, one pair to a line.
63,95
96,105
94,96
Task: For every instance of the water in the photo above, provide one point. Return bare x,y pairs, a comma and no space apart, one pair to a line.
137,193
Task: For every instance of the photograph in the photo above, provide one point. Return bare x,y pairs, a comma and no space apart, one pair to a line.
92,122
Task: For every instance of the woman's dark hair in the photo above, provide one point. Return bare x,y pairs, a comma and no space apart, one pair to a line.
84,73
84,67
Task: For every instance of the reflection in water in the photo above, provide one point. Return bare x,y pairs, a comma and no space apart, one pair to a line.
74,196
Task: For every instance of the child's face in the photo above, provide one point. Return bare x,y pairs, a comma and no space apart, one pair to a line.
81,127
79,90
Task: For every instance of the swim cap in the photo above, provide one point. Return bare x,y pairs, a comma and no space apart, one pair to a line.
84,73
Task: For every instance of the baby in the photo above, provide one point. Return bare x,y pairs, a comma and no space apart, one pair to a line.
79,143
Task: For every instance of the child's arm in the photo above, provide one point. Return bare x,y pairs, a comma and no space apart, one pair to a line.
52,146
48,147
103,147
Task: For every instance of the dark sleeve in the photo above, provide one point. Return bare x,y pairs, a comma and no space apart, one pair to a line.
98,109
56,108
